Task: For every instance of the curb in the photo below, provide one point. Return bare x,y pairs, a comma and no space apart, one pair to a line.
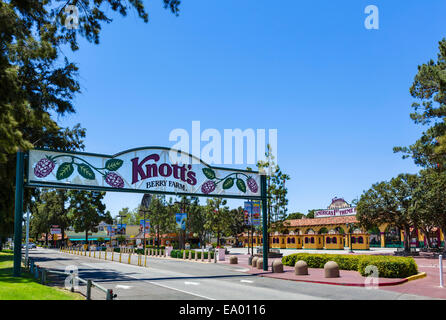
417,276
386,284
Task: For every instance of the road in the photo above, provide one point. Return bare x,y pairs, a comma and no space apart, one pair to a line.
165,279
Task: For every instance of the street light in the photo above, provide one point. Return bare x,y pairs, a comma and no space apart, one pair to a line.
121,216
145,203
350,226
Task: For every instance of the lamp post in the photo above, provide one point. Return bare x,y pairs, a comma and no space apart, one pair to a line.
350,226
145,203
121,216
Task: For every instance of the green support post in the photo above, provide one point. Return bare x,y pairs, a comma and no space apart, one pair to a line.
263,194
18,217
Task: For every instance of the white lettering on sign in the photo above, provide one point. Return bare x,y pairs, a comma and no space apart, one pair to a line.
336,212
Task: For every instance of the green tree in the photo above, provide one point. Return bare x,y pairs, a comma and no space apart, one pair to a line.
86,211
37,81
429,88
295,215
430,205
162,219
310,214
52,206
236,222
217,217
389,202
276,191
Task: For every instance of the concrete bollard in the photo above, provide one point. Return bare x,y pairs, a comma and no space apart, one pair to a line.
120,256
301,268
331,270
277,266
184,254
105,254
250,260
209,256
130,257
259,263
94,254
145,261
113,255
233,260
190,255
196,255
254,262
89,253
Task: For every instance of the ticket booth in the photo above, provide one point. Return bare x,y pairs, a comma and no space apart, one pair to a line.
313,241
334,241
360,241
294,242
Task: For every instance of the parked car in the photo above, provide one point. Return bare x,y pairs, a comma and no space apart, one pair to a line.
30,245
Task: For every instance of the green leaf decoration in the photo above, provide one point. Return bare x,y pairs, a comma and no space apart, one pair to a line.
209,173
113,164
64,171
85,171
241,185
228,183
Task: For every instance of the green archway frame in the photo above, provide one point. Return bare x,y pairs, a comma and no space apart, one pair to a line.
20,184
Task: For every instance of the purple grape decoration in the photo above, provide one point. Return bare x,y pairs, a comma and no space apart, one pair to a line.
44,167
114,180
252,185
208,187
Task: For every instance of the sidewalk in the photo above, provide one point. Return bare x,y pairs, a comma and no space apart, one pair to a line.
427,286
315,275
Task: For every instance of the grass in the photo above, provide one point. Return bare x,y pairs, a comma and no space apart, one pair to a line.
26,287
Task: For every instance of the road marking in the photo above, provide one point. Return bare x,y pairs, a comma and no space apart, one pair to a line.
190,282
122,286
247,281
242,270
167,287
187,292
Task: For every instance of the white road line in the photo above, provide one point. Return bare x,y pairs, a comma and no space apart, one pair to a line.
190,282
122,286
167,287
247,281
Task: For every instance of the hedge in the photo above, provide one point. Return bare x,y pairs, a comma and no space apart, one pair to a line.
388,266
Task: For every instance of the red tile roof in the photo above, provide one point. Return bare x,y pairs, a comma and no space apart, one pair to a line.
322,221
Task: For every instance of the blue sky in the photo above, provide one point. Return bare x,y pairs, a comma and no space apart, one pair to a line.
337,93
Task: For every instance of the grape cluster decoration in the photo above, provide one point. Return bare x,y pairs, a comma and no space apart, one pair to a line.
228,182
46,165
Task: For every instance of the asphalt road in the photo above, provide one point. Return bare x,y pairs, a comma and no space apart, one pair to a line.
165,279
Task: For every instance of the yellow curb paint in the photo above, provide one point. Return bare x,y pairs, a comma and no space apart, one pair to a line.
417,276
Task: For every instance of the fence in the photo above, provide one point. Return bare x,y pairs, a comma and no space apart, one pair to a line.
42,273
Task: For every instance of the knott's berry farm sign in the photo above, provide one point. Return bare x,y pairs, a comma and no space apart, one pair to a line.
146,170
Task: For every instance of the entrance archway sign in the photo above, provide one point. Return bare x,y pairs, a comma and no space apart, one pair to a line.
155,170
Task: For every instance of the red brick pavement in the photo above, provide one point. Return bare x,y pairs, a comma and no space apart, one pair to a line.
427,286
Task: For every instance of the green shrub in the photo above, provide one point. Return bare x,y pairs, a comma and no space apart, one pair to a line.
388,266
